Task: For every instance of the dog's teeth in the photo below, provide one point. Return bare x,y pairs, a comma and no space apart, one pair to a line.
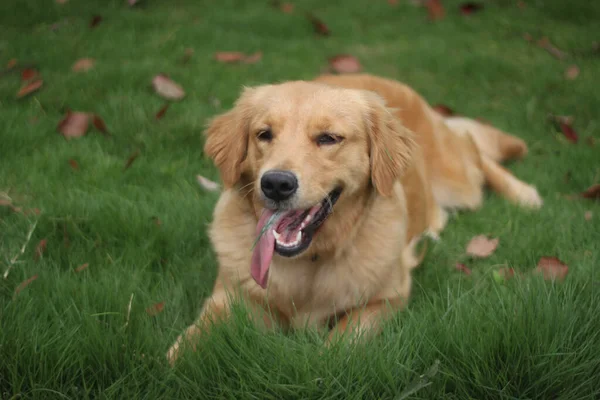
298,237
277,235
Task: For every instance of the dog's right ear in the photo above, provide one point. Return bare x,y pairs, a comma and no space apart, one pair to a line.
227,139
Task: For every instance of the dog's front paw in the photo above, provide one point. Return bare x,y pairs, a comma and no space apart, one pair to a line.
529,197
174,351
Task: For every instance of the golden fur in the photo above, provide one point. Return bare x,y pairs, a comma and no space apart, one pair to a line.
401,166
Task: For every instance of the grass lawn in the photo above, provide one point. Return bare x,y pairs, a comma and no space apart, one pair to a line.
142,231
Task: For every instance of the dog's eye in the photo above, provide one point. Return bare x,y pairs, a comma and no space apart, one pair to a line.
265,135
325,139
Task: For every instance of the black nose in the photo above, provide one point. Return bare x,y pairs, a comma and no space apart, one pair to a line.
279,185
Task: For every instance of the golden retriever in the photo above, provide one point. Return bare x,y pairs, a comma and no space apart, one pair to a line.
328,187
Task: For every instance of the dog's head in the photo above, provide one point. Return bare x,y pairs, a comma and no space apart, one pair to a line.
302,146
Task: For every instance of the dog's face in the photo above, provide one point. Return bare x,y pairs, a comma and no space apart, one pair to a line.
302,146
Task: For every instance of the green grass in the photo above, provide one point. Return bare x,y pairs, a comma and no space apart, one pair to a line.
65,335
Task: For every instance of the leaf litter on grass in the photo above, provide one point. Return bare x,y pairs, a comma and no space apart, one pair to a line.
552,268
481,246
83,65
167,88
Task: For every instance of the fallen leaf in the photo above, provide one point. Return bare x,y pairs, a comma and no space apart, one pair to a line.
572,72
207,183
28,74
74,164
82,267
588,215
155,309
61,1
287,8
24,284
132,2
11,63
99,124
392,2
444,110
569,132
162,111
552,268
157,221
318,25
345,64
40,249
29,88
593,192
167,88
435,10
253,58
470,7
187,55
591,141
5,202
96,19
463,268
74,124
482,247
545,44
503,274
131,159
83,65
229,56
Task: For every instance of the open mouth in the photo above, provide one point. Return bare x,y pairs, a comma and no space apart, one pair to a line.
288,233
294,230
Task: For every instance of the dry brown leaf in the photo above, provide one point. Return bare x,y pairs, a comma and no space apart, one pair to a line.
162,111
82,267
74,124
61,1
588,215
443,110
435,10
32,86
253,58
591,141
131,159
345,64
482,247
99,124
506,273
287,8
470,7
96,19
552,268
40,249
564,124
207,183
24,284
318,25
155,309
11,63
572,72
592,193
28,74
392,2
521,4
83,65
187,55
167,88
229,56
463,268
74,164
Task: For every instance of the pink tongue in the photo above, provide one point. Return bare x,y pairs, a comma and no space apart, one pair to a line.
263,251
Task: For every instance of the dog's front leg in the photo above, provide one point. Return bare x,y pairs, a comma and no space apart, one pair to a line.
364,321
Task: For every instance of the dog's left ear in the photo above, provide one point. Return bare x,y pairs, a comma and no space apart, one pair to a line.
391,144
